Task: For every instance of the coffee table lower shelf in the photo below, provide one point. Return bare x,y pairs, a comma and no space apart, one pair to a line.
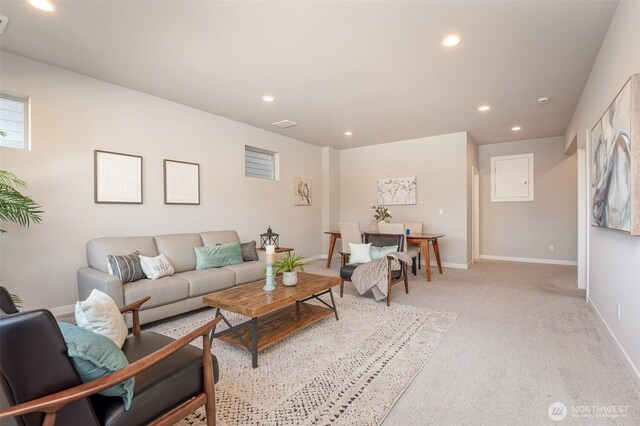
278,325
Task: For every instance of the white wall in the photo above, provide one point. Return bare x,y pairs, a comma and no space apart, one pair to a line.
614,257
330,193
472,162
526,229
440,165
73,114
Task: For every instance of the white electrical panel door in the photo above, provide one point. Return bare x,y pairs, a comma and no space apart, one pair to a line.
512,178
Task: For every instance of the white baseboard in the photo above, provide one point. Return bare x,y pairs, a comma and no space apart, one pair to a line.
63,310
448,265
633,370
529,260
316,257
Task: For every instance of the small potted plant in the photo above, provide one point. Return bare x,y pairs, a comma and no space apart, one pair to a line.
380,213
287,266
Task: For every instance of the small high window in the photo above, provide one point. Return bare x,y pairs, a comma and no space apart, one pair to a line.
260,163
14,121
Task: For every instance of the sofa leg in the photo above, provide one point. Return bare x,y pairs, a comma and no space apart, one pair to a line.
341,287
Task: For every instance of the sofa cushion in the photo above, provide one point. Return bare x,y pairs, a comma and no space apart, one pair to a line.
126,267
212,238
179,249
99,248
167,384
162,291
218,255
207,280
247,272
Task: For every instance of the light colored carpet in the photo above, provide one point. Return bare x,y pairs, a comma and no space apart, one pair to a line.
523,339
346,372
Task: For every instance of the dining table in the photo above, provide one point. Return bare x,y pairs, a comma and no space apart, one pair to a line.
420,238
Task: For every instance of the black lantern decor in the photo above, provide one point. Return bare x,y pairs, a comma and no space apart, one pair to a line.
269,238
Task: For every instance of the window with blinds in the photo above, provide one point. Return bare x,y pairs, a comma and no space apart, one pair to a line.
13,121
259,163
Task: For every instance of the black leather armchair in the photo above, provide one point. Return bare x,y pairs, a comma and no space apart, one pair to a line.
377,240
39,381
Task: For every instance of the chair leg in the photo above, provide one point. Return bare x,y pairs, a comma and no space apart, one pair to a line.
419,260
341,287
413,266
209,385
389,294
406,280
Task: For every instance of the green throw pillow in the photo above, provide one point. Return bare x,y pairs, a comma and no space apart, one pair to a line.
95,356
218,255
380,252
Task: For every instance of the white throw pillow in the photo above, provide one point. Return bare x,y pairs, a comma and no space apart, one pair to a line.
360,253
156,267
100,314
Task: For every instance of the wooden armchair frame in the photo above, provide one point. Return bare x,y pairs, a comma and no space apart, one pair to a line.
51,404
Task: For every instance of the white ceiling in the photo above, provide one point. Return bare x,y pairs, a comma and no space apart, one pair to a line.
375,68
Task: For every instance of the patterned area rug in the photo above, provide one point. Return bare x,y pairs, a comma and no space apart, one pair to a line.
343,372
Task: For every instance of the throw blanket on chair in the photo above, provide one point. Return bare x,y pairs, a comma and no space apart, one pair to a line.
373,275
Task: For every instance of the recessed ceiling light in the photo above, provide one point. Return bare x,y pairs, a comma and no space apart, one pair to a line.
543,100
451,40
348,133
484,108
46,5
515,128
268,98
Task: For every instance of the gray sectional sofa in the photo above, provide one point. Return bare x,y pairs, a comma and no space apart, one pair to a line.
172,295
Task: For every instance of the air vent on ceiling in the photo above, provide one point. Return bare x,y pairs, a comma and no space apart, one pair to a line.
284,124
3,23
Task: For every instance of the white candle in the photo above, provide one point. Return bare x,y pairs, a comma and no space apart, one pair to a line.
271,249
271,257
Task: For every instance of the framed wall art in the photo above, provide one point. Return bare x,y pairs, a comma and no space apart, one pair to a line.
117,178
301,191
615,163
181,182
396,191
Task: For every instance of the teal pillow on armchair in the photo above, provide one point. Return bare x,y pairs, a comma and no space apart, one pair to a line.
95,356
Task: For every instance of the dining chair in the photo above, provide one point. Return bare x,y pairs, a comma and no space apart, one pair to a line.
399,228
415,228
349,233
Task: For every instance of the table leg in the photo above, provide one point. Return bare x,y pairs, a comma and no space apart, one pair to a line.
254,342
436,251
332,245
427,261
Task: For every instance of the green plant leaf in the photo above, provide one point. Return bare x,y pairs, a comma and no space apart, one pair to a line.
14,206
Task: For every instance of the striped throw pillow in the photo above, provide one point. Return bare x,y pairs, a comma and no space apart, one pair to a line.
126,267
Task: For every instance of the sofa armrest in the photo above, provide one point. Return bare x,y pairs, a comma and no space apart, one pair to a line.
89,279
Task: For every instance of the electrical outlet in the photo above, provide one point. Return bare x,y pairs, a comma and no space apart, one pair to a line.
441,211
421,200
551,247
618,311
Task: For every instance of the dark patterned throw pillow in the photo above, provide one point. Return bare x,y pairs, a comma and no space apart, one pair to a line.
249,251
127,267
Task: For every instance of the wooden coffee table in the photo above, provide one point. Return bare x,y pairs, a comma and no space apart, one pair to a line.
274,314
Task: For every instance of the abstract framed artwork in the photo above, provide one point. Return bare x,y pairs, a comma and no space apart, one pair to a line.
301,191
615,163
397,191
117,178
181,182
